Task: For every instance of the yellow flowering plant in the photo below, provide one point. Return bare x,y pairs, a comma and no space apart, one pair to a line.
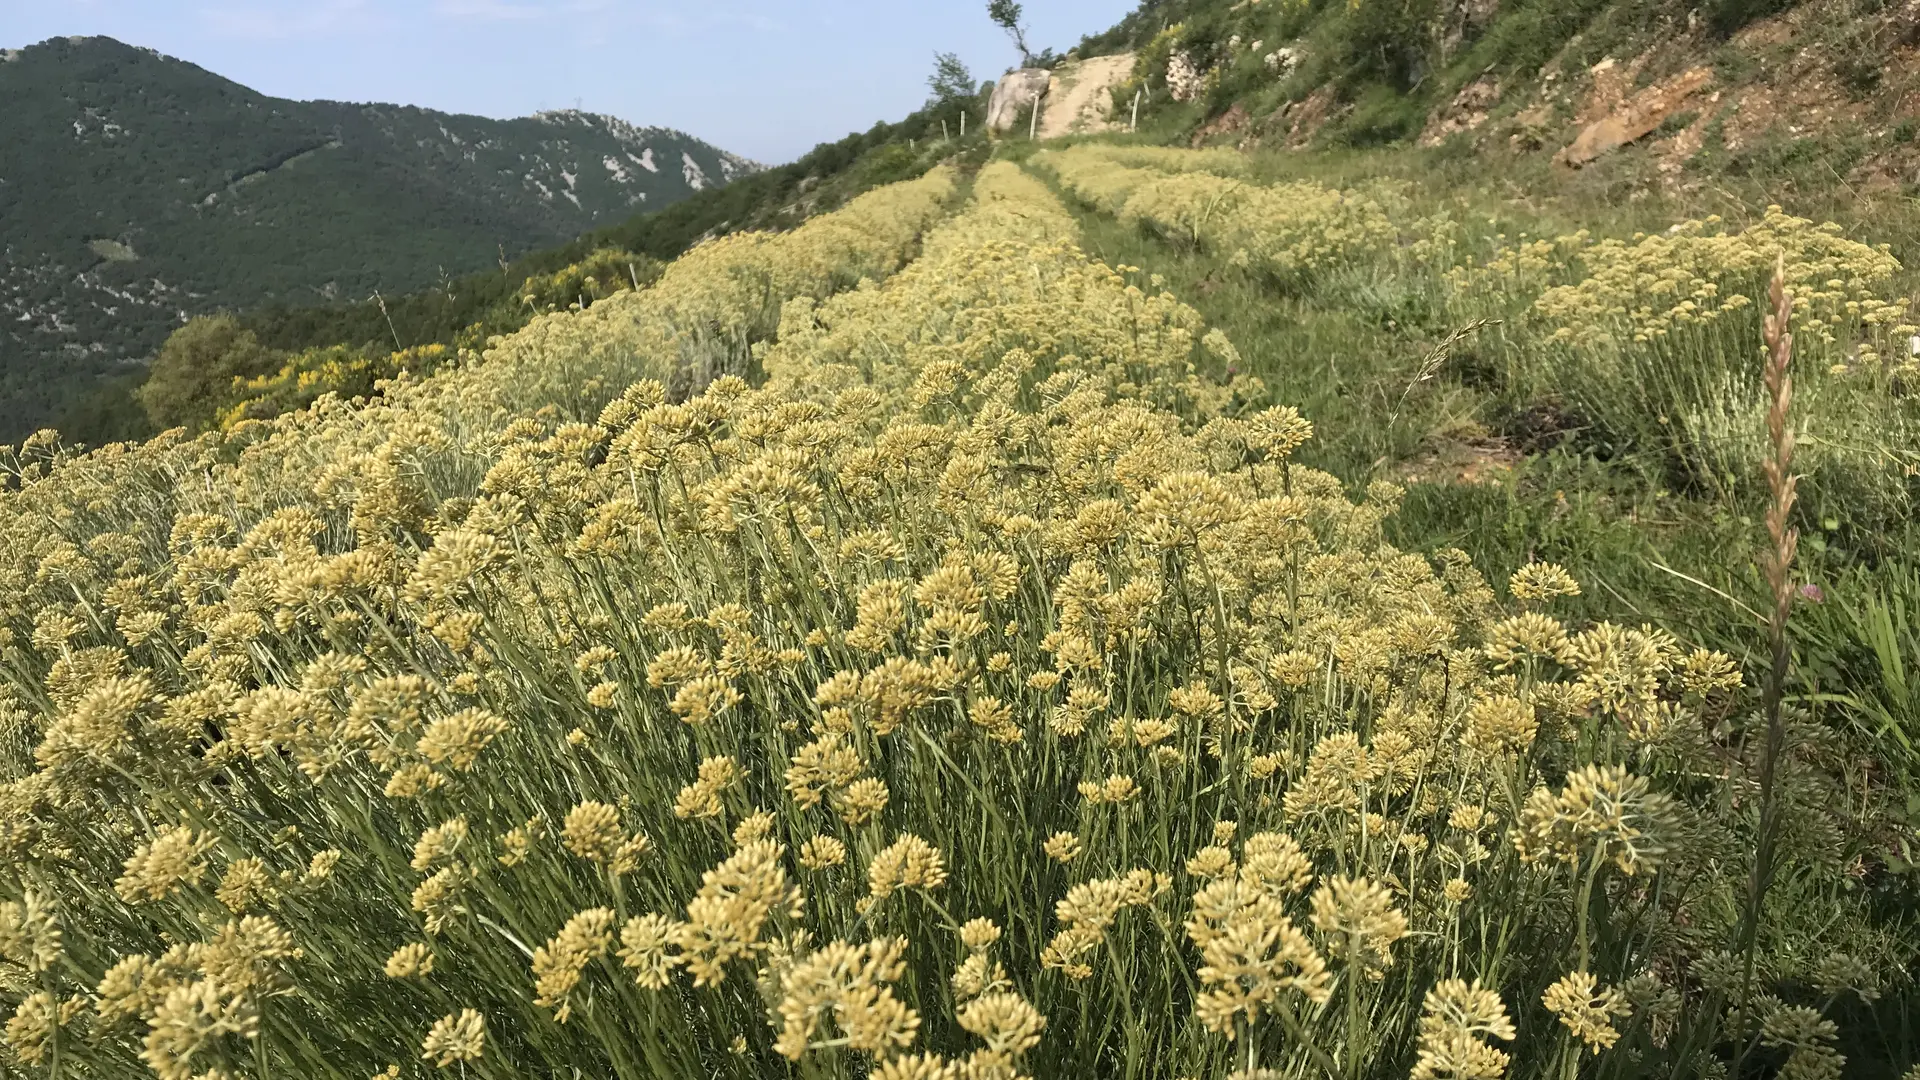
1649,339
900,647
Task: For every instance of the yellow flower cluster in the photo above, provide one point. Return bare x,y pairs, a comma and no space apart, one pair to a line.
1294,230
312,373
1601,294
1001,297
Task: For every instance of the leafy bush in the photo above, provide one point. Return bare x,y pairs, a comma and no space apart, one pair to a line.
310,374
1387,41
602,273
889,165
196,368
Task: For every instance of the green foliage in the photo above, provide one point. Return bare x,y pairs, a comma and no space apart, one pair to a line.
1389,41
1676,123
1006,15
950,82
1150,64
107,411
196,368
888,164
1381,115
1724,17
1527,34
1863,633
1803,163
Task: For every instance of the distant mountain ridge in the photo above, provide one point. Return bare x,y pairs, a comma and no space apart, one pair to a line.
136,190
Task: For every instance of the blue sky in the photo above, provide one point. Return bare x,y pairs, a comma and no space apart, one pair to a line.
764,78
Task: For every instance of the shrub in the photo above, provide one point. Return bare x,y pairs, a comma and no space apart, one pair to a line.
197,367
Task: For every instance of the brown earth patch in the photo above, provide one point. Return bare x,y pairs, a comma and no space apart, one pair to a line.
1482,462
1804,102
1299,121
1676,150
1080,96
1611,81
1468,110
1234,120
1633,118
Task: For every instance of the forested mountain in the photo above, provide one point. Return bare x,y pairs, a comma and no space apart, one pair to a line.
136,190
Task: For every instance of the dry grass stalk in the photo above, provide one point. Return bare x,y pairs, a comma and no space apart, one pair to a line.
1776,565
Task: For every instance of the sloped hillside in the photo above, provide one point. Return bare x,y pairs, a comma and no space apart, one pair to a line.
140,189
1803,95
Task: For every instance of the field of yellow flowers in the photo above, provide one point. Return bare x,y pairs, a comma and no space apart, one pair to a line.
1647,342
906,647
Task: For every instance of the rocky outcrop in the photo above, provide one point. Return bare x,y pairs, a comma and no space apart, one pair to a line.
1636,117
1079,100
1467,111
1297,122
1015,91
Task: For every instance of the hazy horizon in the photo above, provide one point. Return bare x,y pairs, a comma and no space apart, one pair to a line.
765,80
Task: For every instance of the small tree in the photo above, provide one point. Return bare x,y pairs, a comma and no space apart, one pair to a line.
950,81
1006,14
193,375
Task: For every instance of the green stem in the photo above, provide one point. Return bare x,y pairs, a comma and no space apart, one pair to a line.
1355,1059
1299,1034
1584,904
